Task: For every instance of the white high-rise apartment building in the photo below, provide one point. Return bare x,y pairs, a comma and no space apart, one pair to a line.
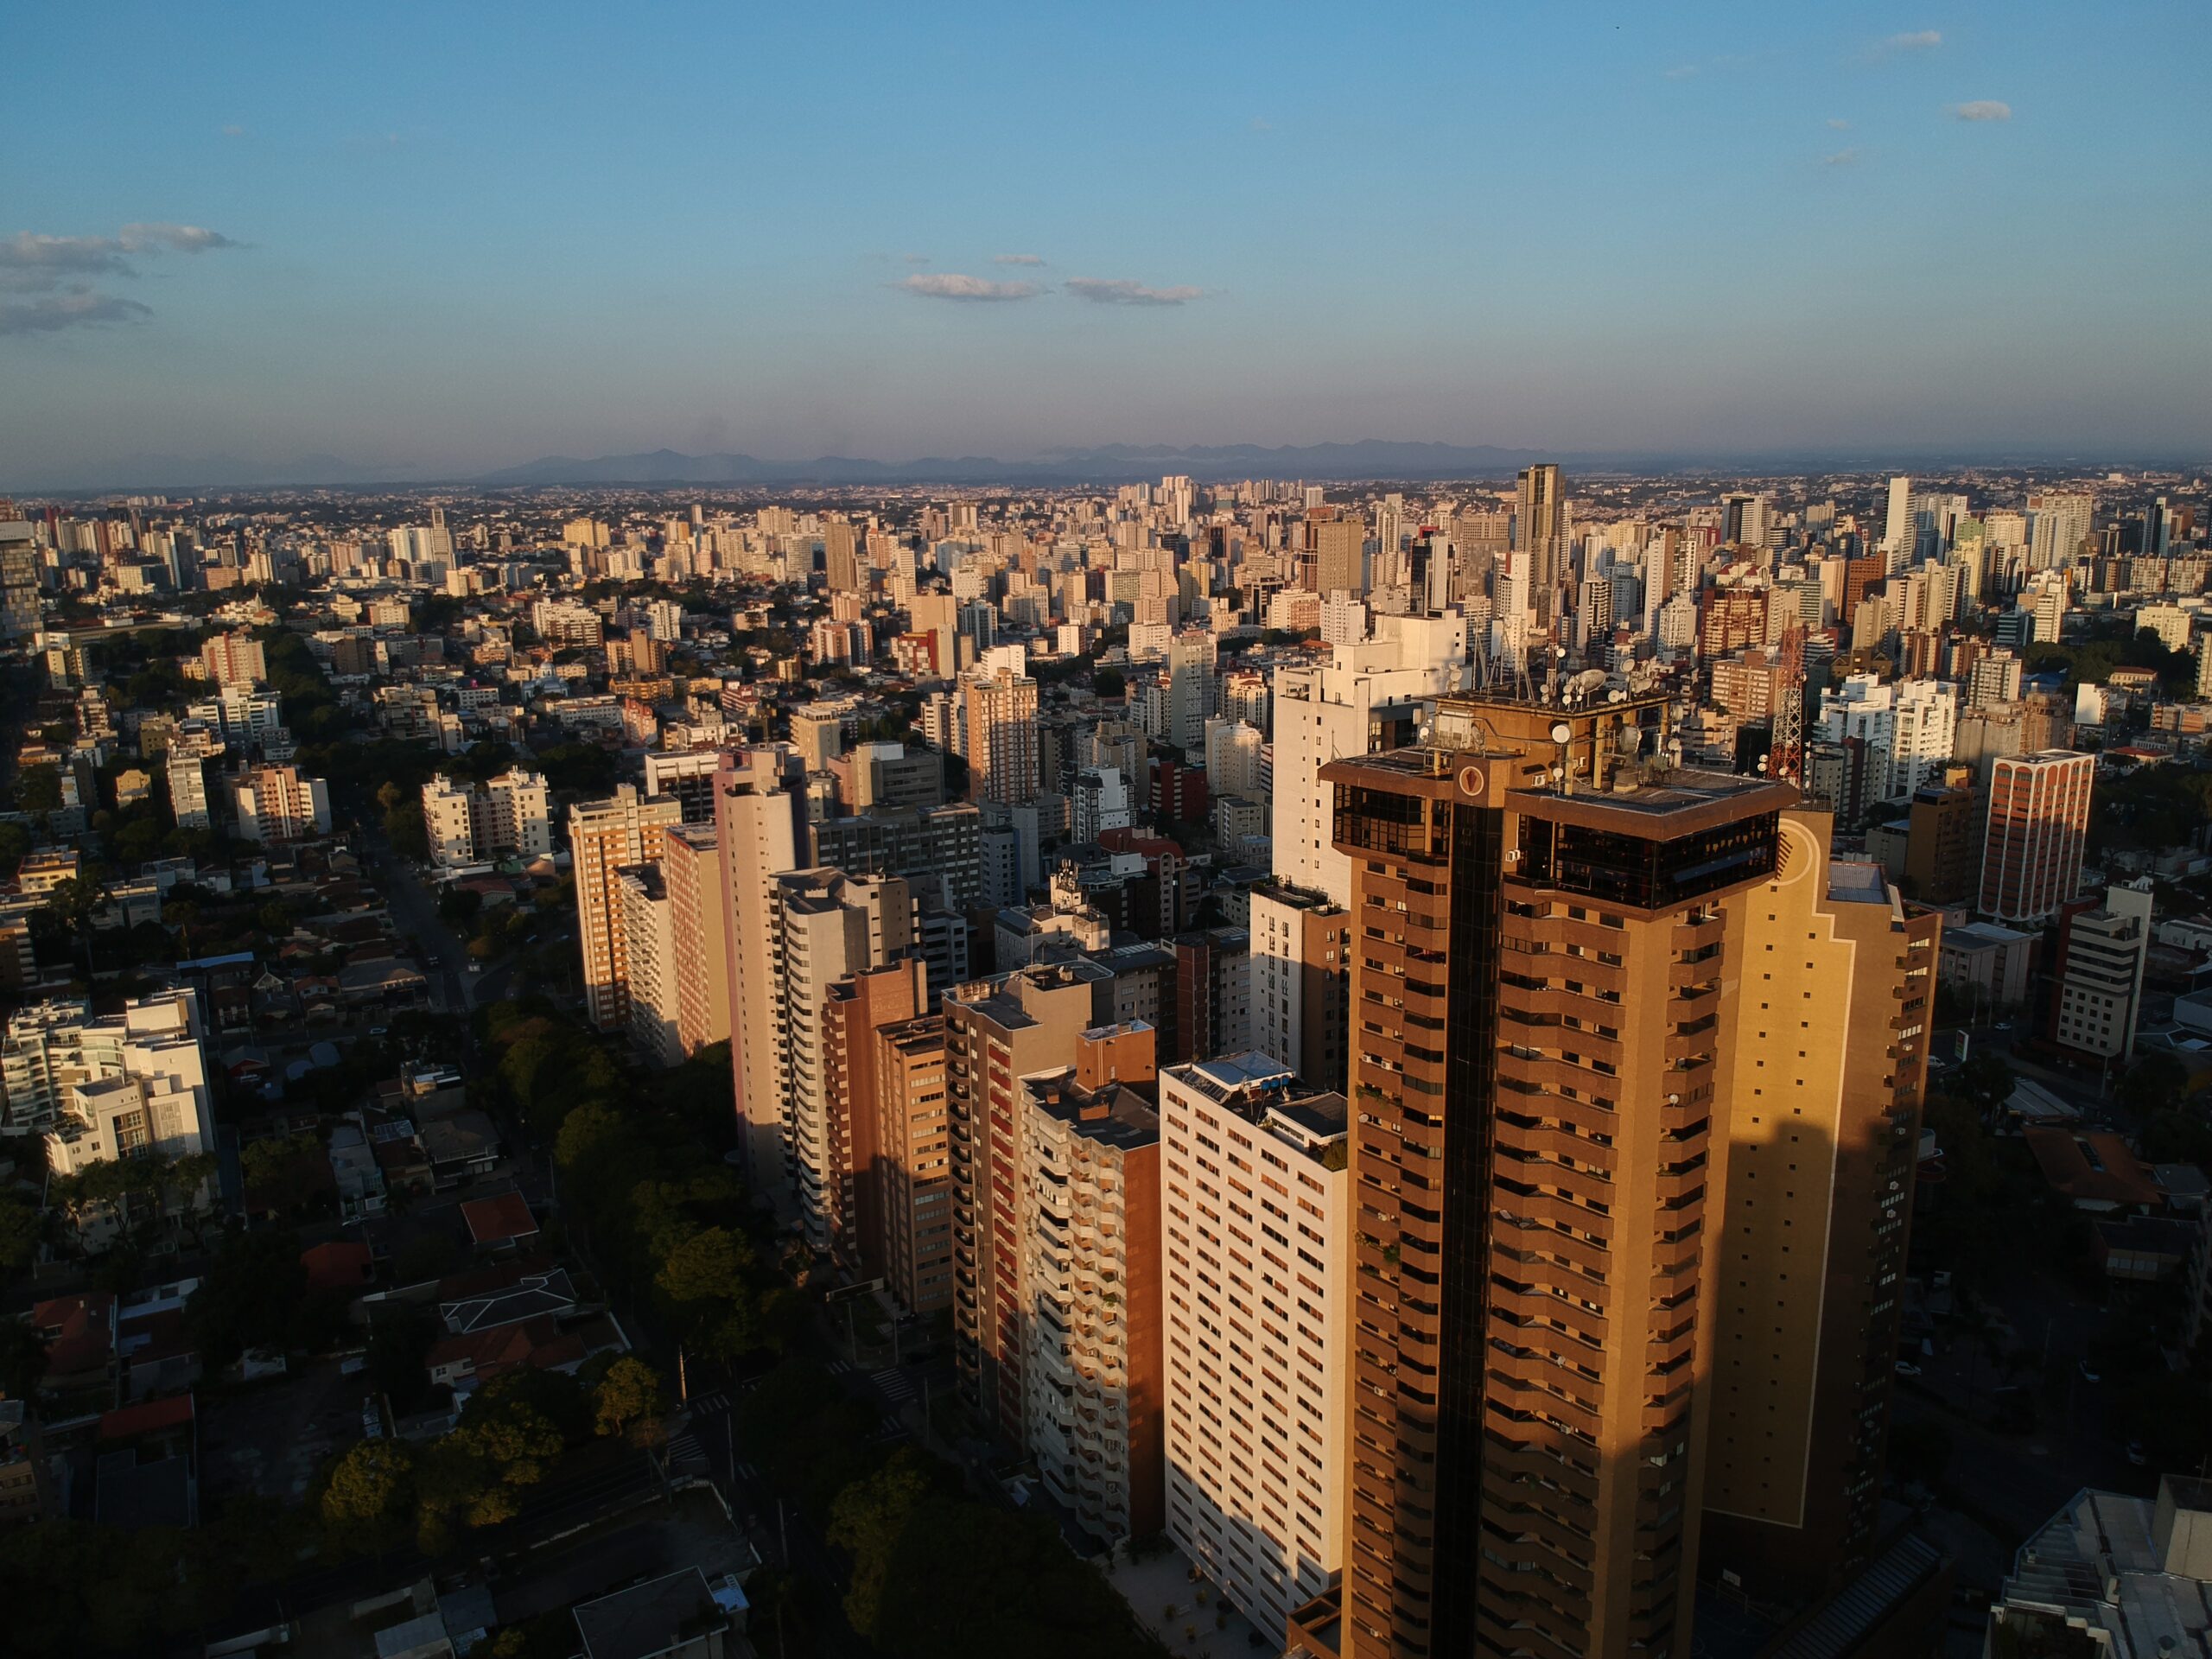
1908,727
243,717
760,833
1237,760
513,812
1193,688
1896,524
2056,523
1256,1258
2100,975
1325,712
1087,1174
649,929
1100,802
54,1049
194,744
278,803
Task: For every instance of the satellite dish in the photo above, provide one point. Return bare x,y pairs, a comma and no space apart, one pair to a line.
1562,732
1617,695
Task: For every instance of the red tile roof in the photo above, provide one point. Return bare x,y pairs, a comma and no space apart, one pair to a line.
500,1221
2096,1167
84,1328
538,1343
341,1264
147,1417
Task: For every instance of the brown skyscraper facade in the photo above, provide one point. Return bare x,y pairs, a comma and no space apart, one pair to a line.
1539,1108
997,1031
1540,527
1337,543
859,1006
915,1164
1826,1035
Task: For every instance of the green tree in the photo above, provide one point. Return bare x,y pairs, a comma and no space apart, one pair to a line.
14,844
38,789
2154,1084
254,1294
22,1227
77,903
523,1402
868,1519
705,1267
1986,1081
628,1398
371,1496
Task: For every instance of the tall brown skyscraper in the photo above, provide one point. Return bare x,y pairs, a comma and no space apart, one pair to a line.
1337,543
1826,1035
997,1031
1540,527
841,562
1542,934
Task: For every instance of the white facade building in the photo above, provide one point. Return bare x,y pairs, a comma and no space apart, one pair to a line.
1323,713
649,928
1256,1264
278,804
1087,1216
1909,727
126,1085
513,812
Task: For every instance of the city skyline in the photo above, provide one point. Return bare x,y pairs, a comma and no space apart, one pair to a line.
442,252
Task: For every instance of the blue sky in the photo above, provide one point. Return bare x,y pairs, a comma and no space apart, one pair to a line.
451,238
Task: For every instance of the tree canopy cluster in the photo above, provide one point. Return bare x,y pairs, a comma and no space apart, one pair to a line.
936,1574
642,1172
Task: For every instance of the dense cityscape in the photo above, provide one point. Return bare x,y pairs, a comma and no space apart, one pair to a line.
1557,1063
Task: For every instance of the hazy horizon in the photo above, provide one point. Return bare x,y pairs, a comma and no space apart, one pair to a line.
497,235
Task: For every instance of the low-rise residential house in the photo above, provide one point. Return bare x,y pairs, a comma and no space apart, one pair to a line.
461,1363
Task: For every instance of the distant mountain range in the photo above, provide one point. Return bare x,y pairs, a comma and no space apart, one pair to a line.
1107,464
1118,463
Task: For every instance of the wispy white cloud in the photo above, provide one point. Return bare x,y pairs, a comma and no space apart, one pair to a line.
177,239
1118,290
77,307
58,269
1836,123
1840,158
1983,109
1260,123
231,129
30,259
1015,259
950,285
1918,40
1679,72
914,258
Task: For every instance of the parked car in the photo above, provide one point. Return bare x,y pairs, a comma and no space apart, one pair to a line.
1906,1368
